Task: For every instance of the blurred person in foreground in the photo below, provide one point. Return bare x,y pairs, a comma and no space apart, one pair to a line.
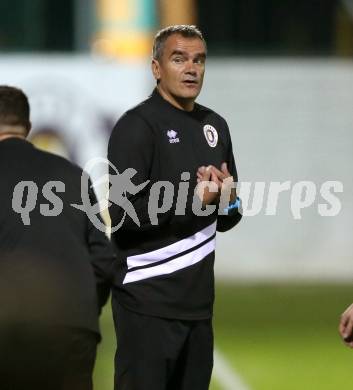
54,264
346,326
164,287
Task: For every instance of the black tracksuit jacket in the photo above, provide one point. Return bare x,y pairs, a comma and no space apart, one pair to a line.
167,270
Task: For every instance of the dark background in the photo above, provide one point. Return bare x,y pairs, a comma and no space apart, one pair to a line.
231,27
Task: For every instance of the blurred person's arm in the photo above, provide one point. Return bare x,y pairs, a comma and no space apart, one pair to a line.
102,256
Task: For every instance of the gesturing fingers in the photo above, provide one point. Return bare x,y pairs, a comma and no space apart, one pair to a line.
224,169
220,175
204,173
216,179
214,174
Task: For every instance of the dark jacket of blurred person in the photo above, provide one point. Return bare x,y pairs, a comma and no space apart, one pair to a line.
54,270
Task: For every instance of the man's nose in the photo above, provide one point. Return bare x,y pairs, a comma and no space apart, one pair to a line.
190,68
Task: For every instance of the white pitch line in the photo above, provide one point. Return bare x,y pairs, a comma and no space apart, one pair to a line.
225,375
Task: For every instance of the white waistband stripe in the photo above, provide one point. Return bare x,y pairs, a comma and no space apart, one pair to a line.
173,265
173,249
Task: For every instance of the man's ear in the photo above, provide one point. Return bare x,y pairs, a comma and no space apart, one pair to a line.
156,69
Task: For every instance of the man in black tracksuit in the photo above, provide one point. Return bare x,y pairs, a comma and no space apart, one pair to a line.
164,285
55,266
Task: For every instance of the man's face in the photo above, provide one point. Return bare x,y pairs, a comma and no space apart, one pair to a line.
181,69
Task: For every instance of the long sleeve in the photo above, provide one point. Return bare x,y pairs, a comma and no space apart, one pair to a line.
131,146
227,222
102,257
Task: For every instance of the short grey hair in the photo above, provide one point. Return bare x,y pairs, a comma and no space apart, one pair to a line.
186,30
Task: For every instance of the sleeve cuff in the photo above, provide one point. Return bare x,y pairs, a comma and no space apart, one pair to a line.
233,207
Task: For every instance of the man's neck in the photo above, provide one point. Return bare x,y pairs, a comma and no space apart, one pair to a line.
181,104
7,136
9,131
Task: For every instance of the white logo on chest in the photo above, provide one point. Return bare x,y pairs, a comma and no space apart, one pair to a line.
172,135
211,135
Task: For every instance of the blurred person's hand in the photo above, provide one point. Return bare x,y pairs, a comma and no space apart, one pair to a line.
346,326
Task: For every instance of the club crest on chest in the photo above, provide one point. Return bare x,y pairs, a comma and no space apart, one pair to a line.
211,135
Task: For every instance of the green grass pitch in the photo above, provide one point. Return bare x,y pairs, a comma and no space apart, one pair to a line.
276,337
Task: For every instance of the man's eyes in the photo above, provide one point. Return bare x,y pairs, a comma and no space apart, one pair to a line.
178,60
199,61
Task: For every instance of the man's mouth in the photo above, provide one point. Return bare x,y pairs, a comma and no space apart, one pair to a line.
190,82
